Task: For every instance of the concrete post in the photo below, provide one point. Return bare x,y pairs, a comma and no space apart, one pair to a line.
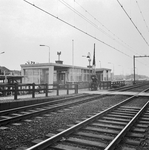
51,75
104,75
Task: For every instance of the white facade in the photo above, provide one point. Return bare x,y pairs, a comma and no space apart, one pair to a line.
52,73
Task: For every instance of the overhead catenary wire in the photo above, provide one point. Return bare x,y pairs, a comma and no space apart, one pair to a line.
133,22
94,25
124,43
100,23
77,28
84,18
142,16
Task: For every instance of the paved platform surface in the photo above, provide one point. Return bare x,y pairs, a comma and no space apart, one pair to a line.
116,92
64,92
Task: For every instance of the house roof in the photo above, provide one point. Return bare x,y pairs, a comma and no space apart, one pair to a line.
57,66
101,69
4,69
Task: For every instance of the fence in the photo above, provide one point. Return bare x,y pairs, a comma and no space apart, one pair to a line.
19,89
116,84
104,85
109,84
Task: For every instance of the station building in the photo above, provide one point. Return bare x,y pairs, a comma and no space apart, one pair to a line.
59,73
10,76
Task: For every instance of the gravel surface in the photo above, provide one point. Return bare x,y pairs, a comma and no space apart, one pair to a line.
137,102
22,134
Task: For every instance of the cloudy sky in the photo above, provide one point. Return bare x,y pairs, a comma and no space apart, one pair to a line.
24,27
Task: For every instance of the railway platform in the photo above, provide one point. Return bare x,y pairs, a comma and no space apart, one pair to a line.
115,92
71,92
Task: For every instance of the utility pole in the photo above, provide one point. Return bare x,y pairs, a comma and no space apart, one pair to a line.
134,69
73,61
134,65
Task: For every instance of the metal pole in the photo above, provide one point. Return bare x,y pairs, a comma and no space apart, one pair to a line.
100,64
73,60
2,52
49,50
134,64
49,54
134,68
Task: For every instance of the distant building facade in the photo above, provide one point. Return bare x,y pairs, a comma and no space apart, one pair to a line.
10,76
57,73
6,71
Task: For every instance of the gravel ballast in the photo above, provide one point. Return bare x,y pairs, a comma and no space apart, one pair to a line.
21,135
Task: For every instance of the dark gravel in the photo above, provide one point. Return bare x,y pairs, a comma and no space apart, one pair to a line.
22,135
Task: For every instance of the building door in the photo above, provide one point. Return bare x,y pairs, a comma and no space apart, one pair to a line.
61,78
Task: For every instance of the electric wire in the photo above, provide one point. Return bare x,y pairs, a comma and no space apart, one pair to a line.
132,22
77,28
85,18
122,42
98,21
142,16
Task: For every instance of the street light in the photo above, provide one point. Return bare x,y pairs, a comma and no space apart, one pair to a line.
100,64
122,74
4,72
113,68
89,60
2,52
49,51
122,69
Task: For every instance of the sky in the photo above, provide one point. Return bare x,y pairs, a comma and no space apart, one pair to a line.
72,27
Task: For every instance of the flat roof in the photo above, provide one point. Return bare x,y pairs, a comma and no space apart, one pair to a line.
57,66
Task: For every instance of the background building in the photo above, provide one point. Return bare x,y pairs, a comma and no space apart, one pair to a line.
56,73
10,76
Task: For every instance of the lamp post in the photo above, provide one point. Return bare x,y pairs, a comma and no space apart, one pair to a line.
122,68
113,68
73,62
49,50
100,64
6,80
2,52
122,73
89,60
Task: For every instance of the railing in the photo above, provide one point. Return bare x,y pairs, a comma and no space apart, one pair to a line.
104,85
19,89
116,84
109,84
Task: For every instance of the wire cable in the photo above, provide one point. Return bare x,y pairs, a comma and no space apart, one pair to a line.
94,25
77,28
142,16
80,30
85,18
133,22
122,42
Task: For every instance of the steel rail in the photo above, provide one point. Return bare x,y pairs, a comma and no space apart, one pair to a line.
144,90
118,138
53,101
128,87
48,142
53,108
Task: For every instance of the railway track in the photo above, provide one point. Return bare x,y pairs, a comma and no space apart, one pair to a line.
133,88
18,114
105,130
